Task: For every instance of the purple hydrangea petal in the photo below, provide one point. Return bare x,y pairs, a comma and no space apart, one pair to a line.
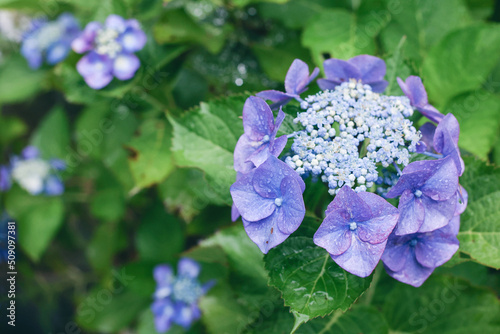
428,130
85,42
116,22
125,66
297,77
277,123
396,252
334,234
326,84
379,86
30,152
32,55
95,69
437,213
132,40
352,207
378,228
235,214
163,274
278,97
371,68
258,119
414,89
164,313
54,186
58,164
338,71
5,182
292,208
188,268
244,148
265,233
251,205
361,258
268,176
454,225
57,53
446,140
421,147
260,155
462,200
186,314
278,145
436,248
443,184
431,113
410,179
411,214
413,273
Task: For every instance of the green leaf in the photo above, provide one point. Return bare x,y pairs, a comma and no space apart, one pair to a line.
311,283
205,138
480,223
108,238
38,218
159,237
52,137
108,202
296,14
11,128
18,82
186,192
150,160
461,61
396,68
424,23
442,305
477,112
359,319
339,34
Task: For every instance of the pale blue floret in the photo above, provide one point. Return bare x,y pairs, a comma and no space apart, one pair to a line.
337,126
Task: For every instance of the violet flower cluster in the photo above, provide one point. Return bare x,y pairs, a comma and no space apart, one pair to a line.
176,296
109,48
33,173
49,40
360,143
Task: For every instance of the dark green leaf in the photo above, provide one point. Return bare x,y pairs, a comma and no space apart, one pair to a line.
52,137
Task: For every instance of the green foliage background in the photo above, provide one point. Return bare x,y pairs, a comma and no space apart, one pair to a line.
150,165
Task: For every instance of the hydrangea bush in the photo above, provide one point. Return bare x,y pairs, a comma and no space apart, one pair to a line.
250,166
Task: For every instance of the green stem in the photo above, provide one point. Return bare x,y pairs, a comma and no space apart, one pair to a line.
373,286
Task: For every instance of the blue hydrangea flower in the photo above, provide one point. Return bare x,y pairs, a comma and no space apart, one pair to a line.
339,123
259,140
412,258
446,140
269,199
34,174
356,229
369,70
49,40
110,50
176,297
296,81
428,191
414,89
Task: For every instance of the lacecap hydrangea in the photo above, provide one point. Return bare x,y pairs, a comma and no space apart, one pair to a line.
110,50
363,145
176,296
33,173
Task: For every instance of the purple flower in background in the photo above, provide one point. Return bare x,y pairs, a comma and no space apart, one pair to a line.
446,140
34,174
259,140
412,258
369,70
428,191
296,81
426,141
49,40
414,89
110,50
176,297
356,229
269,199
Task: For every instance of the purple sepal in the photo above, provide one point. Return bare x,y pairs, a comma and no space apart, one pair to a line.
5,182
414,90
446,140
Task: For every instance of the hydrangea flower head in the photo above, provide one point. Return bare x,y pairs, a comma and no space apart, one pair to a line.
412,258
269,199
369,70
428,191
110,50
176,296
259,140
356,229
348,132
49,40
414,89
34,174
296,82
